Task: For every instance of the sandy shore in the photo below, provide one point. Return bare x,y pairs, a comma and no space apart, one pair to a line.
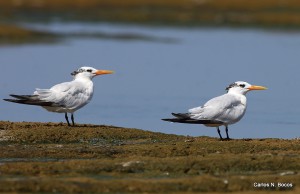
51,157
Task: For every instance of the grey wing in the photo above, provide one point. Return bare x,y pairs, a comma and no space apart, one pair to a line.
55,94
71,95
218,109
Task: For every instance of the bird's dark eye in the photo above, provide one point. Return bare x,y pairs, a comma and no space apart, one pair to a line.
242,85
89,70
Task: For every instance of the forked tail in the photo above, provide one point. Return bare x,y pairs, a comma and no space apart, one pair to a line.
31,100
185,118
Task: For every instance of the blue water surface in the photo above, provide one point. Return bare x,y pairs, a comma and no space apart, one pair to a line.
173,70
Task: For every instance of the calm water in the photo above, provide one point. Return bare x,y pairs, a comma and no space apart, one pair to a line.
156,76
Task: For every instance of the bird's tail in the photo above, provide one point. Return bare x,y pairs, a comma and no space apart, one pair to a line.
185,118
30,100
180,118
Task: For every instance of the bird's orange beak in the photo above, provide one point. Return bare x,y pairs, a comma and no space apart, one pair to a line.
253,87
101,72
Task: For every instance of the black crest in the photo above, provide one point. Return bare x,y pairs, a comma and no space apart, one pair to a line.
231,86
76,72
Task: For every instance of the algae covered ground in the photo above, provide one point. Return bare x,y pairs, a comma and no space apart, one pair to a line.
51,157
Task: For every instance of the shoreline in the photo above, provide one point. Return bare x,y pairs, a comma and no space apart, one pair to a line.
267,14
43,157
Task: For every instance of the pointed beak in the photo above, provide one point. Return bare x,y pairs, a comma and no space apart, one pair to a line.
101,72
253,87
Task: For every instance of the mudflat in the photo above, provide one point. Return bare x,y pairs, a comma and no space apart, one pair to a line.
52,157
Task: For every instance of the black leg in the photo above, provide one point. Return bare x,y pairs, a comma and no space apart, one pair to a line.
67,119
72,118
219,132
226,129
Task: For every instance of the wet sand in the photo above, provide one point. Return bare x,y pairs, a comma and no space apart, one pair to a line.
51,157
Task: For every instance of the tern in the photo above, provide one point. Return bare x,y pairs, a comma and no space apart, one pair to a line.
223,110
66,97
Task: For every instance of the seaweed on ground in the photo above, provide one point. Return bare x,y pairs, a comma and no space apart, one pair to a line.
52,157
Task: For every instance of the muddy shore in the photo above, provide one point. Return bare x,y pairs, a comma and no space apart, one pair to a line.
51,157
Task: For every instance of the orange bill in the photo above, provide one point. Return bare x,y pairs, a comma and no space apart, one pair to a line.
101,72
254,87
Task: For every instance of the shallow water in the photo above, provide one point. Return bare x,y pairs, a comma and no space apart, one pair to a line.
154,77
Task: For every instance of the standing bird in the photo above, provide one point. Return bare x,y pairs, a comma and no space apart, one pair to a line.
65,97
226,109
